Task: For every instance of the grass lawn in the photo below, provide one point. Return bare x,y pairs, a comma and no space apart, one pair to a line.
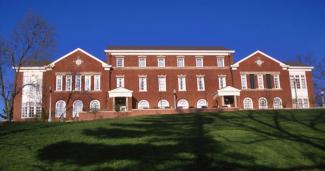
250,140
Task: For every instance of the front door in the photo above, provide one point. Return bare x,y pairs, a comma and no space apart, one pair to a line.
120,104
229,101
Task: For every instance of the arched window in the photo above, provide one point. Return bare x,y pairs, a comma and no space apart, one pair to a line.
182,103
143,104
277,103
202,103
262,103
77,107
94,106
248,103
60,109
162,104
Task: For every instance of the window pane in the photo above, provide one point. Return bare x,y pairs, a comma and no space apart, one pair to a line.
243,81
252,81
268,81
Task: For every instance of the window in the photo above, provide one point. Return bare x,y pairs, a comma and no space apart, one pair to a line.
181,83
142,62
277,103
142,83
161,61
199,61
243,81
163,104
252,81
297,82
305,103
182,103
277,81
120,62
200,83
87,82
119,81
68,83
260,81
97,82
180,62
262,102
222,82
143,104
268,81
31,110
77,107
77,83
248,103
202,103
220,62
60,109
303,81
94,106
292,81
59,83
161,83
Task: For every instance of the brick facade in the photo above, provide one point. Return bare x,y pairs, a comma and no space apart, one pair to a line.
79,62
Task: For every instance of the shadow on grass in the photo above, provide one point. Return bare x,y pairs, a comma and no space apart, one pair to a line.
176,142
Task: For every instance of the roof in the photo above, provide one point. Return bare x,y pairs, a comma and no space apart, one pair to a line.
35,63
166,48
295,63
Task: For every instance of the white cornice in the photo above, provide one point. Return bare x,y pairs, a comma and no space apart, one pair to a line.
169,51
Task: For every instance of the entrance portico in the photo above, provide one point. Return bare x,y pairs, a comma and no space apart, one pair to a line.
121,98
228,96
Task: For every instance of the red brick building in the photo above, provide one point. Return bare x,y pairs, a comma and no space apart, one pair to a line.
136,80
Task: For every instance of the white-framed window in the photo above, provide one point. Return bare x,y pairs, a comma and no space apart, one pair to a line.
277,103
87,82
163,104
243,79
143,104
94,106
292,81
161,62
200,83
248,103
300,103
222,82
60,109
180,62
96,82
199,61
260,81
77,83
119,81
181,83
68,82
220,62
262,103
31,110
297,82
202,103
77,108
142,83
182,103
142,62
119,61
277,81
162,83
303,81
58,83
305,103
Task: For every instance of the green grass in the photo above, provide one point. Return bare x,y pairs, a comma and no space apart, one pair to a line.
250,140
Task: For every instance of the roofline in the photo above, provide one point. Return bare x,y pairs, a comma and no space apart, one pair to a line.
105,65
235,65
167,51
301,67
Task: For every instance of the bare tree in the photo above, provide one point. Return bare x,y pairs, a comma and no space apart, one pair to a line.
31,39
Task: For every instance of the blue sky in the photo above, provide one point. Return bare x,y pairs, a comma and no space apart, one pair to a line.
281,28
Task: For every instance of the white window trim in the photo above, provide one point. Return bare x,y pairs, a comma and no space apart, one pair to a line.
75,87
147,106
225,82
179,83
259,103
122,64
260,81
243,83
165,83
56,107
198,82
251,103
279,83
87,86
67,87
183,63
164,63
92,103
223,62
97,77
122,82
197,63
145,86
58,88
144,60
